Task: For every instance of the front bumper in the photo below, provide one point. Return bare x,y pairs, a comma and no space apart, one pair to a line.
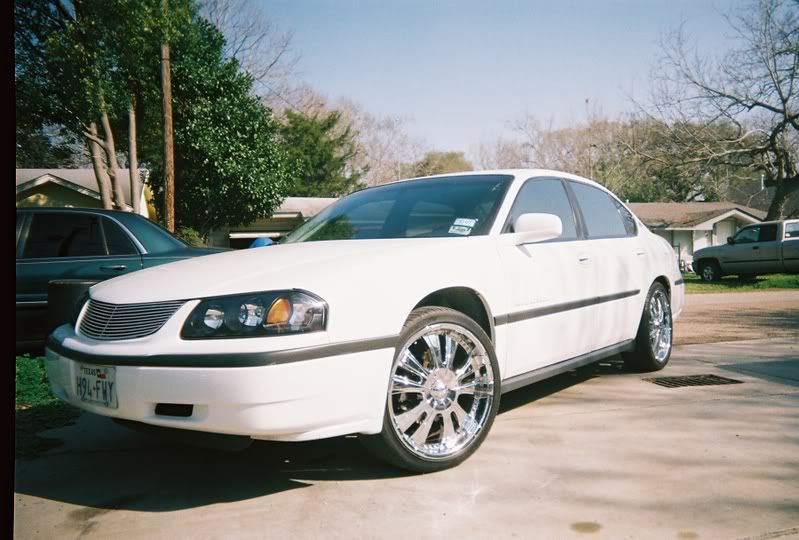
301,396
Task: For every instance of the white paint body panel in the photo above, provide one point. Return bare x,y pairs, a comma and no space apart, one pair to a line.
370,286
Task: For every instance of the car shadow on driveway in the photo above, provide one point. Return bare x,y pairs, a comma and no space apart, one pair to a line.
155,474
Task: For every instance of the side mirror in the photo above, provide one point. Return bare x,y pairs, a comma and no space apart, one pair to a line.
730,240
261,242
531,228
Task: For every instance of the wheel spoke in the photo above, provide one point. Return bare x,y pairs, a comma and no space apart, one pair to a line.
449,426
413,365
404,385
460,413
434,345
450,348
423,431
409,418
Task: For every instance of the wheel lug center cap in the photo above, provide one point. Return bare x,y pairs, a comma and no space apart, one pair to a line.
439,389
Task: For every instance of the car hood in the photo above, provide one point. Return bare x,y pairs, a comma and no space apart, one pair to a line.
314,266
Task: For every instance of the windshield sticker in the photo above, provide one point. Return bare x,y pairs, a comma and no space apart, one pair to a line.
459,229
465,222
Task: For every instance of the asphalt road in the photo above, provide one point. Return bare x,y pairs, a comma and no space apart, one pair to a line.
595,453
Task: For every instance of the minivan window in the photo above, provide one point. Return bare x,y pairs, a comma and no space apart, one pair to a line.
545,196
64,235
600,212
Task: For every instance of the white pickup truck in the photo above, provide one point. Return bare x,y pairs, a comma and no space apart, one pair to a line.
765,248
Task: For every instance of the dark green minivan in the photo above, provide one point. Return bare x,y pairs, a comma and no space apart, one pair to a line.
81,243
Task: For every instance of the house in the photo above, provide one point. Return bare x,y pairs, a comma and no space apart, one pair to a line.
694,225
68,188
291,213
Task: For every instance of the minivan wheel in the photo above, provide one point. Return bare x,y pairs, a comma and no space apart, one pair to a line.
654,339
443,392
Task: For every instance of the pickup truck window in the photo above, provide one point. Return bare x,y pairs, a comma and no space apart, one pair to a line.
748,235
768,233
792,230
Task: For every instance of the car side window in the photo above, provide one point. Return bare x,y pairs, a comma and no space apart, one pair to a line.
117,241
545,196
602,213
792,230
748,235
64,235
768,233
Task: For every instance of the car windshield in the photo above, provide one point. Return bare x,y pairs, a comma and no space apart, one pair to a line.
447,206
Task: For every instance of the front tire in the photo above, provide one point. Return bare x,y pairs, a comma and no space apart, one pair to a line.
443,393
710,271
654,339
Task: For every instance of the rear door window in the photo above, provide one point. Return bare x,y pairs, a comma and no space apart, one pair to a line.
792,230
64,235
117,240
768,233
602,214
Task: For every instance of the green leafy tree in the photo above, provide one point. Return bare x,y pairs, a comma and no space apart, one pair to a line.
229,166
322,150
440,163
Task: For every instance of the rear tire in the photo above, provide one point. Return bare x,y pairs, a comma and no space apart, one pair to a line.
443,393
654,339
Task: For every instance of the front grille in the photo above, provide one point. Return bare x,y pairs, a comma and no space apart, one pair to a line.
125,321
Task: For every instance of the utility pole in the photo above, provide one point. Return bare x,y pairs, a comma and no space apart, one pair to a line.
169,149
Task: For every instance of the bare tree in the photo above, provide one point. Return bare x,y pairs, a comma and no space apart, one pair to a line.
741,111
262,49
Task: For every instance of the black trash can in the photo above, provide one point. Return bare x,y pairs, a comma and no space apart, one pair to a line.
62,298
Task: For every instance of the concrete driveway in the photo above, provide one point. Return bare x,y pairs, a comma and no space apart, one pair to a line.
595,453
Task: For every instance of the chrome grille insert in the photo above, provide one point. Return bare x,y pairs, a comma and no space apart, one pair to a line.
125,321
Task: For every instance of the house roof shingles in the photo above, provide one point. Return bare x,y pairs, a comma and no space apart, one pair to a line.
686,215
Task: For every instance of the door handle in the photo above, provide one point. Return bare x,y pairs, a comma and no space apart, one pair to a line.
756,247
117,267
584,258
640,253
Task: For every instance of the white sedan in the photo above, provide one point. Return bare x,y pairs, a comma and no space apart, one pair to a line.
400,313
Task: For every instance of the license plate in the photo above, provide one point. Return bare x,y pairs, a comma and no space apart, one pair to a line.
97,384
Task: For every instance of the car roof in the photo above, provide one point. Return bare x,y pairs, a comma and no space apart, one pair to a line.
70,209
518,174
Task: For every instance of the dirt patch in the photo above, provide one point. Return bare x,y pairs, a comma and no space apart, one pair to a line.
711,318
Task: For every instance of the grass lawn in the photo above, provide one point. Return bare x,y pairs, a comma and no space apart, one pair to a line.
693,284
36,408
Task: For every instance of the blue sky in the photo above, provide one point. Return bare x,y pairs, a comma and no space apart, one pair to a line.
459,71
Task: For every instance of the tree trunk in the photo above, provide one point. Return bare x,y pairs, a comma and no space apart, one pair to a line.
776,209
133,159
169,150
103,182
111,159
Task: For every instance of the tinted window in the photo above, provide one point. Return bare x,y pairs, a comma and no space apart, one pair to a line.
64,235
546,197
152,236
600,211
768,233
748,235
792,230
117,240
441,207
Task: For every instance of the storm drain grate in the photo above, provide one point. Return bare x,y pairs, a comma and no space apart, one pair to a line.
692,380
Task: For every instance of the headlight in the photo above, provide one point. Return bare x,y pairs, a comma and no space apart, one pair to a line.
256,315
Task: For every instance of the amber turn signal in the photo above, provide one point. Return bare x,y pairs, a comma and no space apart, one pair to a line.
280,312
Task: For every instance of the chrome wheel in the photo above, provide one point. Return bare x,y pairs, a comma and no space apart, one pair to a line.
441,391
660,325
